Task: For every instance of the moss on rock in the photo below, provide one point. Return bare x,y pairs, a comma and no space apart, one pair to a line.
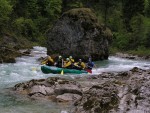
85,15
78,33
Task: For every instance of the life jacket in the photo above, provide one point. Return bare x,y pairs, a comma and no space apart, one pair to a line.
72,60
81,65
49,61
67,64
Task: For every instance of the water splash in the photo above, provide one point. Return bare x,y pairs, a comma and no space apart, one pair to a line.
116,64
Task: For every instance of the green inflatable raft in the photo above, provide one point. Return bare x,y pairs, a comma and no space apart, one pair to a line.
55,70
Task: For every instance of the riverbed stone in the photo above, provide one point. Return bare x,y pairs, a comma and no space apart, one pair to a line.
68,97
66,88
41,89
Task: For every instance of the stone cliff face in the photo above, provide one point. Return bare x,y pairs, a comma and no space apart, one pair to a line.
79,34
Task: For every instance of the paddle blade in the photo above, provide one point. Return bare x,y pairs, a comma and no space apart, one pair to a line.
33,69
62,72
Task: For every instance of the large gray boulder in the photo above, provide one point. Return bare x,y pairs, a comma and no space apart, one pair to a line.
79,34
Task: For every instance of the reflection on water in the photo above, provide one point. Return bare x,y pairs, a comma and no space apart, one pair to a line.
27,68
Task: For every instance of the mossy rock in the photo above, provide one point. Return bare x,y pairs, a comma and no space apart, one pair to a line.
86,15
79,34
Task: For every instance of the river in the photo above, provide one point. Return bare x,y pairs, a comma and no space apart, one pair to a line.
28,67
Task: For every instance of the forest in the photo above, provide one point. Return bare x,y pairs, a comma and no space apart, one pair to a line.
129,20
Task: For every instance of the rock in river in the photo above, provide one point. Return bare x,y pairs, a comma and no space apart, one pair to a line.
78,33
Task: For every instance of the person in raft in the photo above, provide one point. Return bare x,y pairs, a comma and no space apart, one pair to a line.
90,65
59,62
71,59
67,64
72,62
48,61
79,65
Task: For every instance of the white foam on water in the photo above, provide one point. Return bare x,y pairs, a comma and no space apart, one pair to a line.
64,112
116,64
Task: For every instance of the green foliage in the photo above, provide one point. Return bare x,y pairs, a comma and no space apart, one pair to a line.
70,4
130,9
131,28
5,10
25,27
31,18
137,34
147,39
77,4
147,8
50,8
121,41
129,20
49,11
140,51
146,36
115,22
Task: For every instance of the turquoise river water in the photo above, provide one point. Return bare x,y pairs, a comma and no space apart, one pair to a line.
27,68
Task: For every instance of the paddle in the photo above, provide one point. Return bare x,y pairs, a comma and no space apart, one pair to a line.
62,72
37,68
95,67
33,68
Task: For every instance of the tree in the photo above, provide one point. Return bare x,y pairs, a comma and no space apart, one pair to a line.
69,4
5,10
49,11
137,35
131,8
103,7
31,14
53,8
25,8
147,8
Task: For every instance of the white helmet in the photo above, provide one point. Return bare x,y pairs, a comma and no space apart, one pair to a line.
60,57
80,60
70,57
67,59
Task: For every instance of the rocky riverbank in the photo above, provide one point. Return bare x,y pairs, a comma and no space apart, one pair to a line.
115,92
130,56
10,48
